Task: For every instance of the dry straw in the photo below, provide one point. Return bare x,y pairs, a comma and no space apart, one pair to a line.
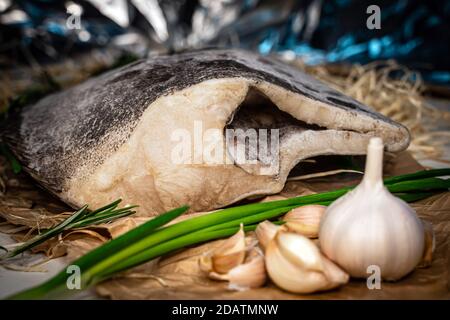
396,92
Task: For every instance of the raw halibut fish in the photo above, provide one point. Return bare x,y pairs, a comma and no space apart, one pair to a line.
115,135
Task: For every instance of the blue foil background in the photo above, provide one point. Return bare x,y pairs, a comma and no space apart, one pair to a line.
415,33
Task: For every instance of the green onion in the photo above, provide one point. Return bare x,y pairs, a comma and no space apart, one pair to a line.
413,197
265,215
418,175
426,184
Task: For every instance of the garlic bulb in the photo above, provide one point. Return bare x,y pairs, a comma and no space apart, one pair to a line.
305,220
369,226
295,264
430,245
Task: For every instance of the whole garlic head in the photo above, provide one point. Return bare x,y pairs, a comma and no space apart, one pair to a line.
370,226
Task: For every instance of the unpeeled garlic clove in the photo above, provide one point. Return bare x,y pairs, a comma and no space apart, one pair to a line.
265,232
250,274
205,264
294,263
226,257
335,275
305,220
234,262
430,245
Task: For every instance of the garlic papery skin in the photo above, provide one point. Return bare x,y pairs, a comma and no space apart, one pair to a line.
305,220
265,232
429,246
295,264
250,274
370,227
227,256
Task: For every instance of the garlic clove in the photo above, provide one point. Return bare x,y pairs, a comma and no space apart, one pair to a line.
237,261
265,232
430,245
289,276
335,275
230,254
305,220
227,256
250,274
286,266
224,263
299,250
205,263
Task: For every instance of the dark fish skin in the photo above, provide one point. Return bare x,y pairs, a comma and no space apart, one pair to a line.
54,136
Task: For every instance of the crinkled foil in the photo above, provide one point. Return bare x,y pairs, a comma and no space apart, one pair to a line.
413,32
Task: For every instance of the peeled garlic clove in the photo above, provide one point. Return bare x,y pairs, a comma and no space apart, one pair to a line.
295,264
305,220
369,226
250,274
430,244
230,254
265,232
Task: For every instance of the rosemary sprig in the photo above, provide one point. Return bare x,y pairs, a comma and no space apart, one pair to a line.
80,219
56,286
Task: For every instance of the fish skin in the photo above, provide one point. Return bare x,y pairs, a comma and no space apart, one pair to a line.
48,136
